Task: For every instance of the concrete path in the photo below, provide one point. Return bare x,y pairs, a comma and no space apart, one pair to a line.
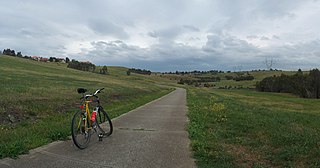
151,136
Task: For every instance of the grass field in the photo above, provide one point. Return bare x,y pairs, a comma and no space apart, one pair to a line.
224,83
38,99
243,128
227,128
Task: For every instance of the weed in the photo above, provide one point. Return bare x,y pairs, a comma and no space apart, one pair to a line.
243,128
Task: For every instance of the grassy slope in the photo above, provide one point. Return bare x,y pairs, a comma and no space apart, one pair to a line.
258,76
242,128
244,84
228,128
42,99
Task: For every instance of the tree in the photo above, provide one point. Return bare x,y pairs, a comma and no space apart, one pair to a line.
19,54
237,68
140,71
13,53
104,70
9,52
83,66
67,60
300,72
304,85
314,83
128,72
51,59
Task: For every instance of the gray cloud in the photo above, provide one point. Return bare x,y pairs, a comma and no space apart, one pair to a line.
104,27
173,31
191,28
169,32
276,37
252,37
264,38
153,34
167,35
228,45
220,52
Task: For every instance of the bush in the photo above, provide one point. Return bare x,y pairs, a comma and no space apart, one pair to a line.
229,77
83,66
140,71
306,86
241,78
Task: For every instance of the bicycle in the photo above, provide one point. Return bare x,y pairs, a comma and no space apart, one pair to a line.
85,123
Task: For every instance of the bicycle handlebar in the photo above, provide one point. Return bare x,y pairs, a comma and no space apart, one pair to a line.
98,91
92,95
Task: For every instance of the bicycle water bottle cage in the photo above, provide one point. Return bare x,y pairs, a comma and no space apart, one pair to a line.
81,90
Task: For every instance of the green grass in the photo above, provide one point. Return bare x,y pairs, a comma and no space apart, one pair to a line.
243,128
42,99
258,76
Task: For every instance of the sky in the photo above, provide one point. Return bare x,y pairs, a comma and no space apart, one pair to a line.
167,35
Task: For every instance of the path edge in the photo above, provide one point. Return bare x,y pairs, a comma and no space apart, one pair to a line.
39,149
133,110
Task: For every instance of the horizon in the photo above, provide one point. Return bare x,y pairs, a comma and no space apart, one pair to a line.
174,71
168,35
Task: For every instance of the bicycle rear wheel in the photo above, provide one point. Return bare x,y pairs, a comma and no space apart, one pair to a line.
80,130
104,123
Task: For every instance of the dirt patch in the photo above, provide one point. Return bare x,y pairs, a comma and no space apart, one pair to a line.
297,127
63,108
246,157
115,96
11,115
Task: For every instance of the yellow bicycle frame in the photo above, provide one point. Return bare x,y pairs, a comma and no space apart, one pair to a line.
88,116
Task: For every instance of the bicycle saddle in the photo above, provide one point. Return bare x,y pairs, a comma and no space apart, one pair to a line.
82,90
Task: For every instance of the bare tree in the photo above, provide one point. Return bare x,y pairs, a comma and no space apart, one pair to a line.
237,68
269,63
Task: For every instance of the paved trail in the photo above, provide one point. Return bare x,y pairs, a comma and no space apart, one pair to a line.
151,136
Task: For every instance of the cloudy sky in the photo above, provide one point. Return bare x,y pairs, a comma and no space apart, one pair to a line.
167,35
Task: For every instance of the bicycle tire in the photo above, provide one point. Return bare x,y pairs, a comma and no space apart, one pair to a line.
80,131
104,123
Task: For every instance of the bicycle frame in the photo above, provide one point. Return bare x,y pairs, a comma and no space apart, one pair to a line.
88,114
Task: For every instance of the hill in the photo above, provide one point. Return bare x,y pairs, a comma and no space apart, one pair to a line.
38,99
246,128
223,82
234,127
229,127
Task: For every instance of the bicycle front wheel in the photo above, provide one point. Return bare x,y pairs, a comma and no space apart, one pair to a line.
80,130
104,122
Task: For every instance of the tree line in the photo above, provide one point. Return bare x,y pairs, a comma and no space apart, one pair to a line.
239,78
11,52
303,85
213,72
244,77
199,80
139,71
83,66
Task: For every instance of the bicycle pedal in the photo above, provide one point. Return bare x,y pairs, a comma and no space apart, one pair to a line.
100,137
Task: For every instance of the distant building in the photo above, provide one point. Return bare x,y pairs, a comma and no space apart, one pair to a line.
44,59
36,58
62,60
